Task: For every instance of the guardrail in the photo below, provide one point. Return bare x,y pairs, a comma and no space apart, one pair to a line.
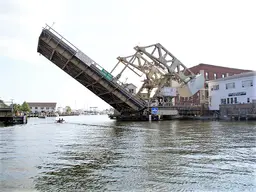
61,37
103,71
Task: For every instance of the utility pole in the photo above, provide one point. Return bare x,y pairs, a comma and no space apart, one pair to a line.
12,105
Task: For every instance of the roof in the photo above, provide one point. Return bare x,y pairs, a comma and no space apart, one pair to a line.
42,104
217,66
247,74
127,84
3,105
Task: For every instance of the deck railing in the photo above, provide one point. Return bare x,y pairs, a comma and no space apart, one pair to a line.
103,71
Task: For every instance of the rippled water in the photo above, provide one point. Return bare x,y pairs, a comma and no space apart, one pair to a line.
93,153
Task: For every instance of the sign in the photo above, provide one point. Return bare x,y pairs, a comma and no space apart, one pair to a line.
168,91
84,58
154,110
107,74
236,94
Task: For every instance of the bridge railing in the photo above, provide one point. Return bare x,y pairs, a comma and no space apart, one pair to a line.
78,50
104,72
61,37
117,83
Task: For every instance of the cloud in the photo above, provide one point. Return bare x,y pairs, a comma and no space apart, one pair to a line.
22,22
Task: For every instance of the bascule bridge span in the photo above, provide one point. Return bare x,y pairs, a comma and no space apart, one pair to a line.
78,65
94,77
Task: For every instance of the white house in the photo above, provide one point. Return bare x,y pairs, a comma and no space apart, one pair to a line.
37,107
60,110
130,87
240,88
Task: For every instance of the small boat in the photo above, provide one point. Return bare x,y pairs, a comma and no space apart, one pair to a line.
60,121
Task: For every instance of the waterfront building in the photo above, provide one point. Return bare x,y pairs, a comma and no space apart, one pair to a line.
211,72
236,89
42,107
60,110
130,87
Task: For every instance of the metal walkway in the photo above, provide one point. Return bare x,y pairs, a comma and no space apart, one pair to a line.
86,71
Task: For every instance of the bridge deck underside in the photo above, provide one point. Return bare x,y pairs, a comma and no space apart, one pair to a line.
63,56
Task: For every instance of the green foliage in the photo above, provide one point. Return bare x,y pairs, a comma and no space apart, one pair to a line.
68,109
16,108
25,107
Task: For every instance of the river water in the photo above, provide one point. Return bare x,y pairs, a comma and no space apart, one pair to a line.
94,153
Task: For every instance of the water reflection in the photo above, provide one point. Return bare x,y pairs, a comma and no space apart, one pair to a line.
80,172
139,156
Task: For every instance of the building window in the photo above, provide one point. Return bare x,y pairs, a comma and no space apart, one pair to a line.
227,100
231,100
230,85
47,108
42,108
215,87
131,90
247,83
235,99
206,76
215,76
223,101
223,75
248,100
35,107
227,74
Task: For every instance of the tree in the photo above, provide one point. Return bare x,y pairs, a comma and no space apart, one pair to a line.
25,107
16,108
68,109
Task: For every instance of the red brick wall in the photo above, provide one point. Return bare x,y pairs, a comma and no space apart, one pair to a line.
211,70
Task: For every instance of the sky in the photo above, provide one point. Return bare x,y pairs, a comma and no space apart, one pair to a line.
219,32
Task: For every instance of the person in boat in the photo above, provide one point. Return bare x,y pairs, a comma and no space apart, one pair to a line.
60,120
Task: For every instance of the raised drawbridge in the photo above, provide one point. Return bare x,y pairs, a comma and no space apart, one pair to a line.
86,71
156,63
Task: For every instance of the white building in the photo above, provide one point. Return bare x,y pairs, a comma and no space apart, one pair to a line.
234,89
60,110
130,87
42,107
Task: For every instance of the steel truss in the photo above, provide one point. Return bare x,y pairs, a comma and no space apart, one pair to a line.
158,65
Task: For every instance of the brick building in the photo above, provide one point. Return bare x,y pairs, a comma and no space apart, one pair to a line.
211,72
